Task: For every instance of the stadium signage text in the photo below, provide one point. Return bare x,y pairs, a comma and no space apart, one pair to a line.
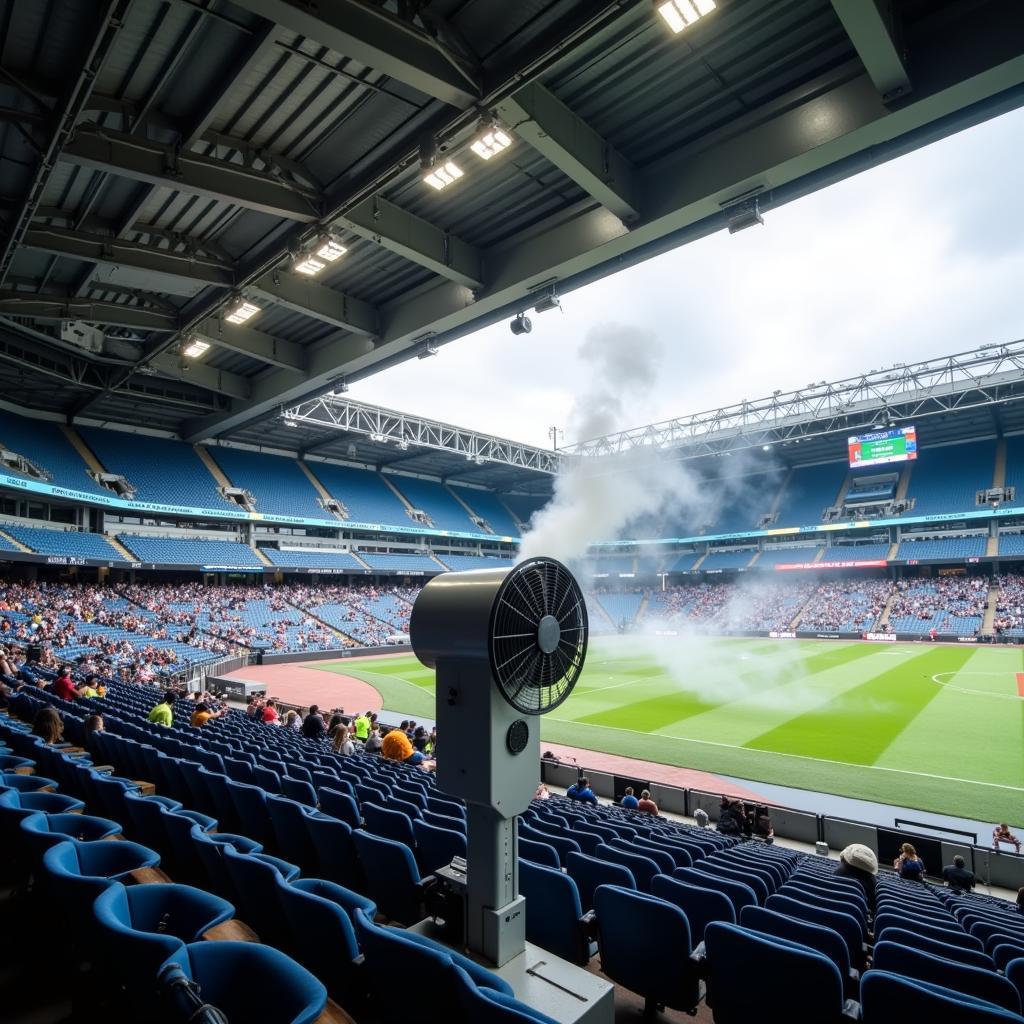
782,635
877,563
885,638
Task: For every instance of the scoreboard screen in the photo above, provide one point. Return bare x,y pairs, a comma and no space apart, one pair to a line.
883,446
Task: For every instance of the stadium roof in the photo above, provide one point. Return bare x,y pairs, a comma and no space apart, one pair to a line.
163,160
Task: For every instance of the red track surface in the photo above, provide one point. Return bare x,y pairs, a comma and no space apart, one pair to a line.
298,684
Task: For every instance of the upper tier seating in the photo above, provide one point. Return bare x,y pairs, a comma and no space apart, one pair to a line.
1011,544
946,479
856,553
221,553
728,559
773,556
741,502
489,507
400,562
5,544
684,561
621,608
458,563
810,490
862,492
312,559
612,566
44,444
946,547
523,506
68,543
276,482
430,497
162,471
1015,467
364,494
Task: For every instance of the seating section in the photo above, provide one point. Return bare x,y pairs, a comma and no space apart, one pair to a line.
488,506
400,562
161,470
949,604
740,503
69,543
277,483
523,506
944,548
1011,544
458,563
947,479
313,558
621,608
612,566
735,559
771,557
6,545
869,492
845,606
432,498
364,494
810,490
856,553
44,444
164,550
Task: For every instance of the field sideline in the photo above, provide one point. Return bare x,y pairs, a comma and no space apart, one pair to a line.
939,728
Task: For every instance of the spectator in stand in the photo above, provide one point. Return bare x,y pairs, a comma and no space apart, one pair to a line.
342,744
373,741
701,817
163,713
580,790
94,723
336,722
63,686
47,725
313,727
292,720
253,706
1020,900
646,804
203,714
419,739
957,877
629,801
396,747
762,825
1002,834
541,793
362,726
269,714
908,865
860,863
728,823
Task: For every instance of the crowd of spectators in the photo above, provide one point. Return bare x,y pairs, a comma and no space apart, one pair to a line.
1009,605
852,605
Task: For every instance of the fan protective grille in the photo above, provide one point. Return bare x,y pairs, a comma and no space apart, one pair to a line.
538,635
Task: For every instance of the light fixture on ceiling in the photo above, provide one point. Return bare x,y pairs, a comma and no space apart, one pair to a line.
379,438
442,175
403,445
490,140
341,387
326,250
550,301
681,14
427,349
766,447
330,249
194,348
308,265
241,311
520,324
291,423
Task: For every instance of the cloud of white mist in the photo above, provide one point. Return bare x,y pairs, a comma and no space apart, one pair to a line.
596,499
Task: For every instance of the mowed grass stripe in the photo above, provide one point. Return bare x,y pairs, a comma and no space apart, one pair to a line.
860,724
667,709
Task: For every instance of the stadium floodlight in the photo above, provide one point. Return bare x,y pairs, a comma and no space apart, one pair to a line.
746,215
330,249
521,324
766,447
241,311
428,349
194,348
308,265
681,14
551,301
403,445
443,176
291,423
491,140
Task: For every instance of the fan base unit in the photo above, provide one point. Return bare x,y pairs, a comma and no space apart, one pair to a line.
565,992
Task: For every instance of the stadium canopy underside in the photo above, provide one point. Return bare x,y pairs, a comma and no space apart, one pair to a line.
164,161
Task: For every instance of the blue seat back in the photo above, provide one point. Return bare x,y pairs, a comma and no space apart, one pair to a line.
393,880
825,940
642,868
553,912
590,872
539,853
892,999
435,847
739,894
701,906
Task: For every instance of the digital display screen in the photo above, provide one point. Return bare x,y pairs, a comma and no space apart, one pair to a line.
883,446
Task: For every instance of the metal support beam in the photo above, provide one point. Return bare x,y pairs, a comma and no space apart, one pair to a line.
193,271
550,127
416,239
379,40
319,302
870,26
169,364
143,160
111,18
250,342
59,307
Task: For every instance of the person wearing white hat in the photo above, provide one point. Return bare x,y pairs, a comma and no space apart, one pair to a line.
860,863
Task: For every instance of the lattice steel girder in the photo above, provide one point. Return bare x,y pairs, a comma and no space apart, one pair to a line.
319,302
379,40
870,26
827,130
119,253
169,364
143,160
550,127
59,307
416,239
250,342
984,377
332,411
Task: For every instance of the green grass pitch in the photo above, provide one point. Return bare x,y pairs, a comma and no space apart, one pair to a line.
939,728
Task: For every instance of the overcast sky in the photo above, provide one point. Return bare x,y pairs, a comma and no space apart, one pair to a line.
921,257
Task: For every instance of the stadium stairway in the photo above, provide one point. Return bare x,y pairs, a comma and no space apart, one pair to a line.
843,490
992,546
697,564
262,557
469,511
800,611
780,492
406,504
999,470
208,461
883,619
334,629
989,621
17,543
902,487
120,548
753,561
88,455
325,495
893,548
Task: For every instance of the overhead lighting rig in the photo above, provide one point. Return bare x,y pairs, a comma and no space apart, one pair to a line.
679,15
241,310
327,250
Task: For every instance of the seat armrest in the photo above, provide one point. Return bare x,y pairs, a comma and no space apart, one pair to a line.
851,1010
588,923
699,954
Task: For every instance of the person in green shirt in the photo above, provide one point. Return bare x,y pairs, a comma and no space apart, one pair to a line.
162,713
362,726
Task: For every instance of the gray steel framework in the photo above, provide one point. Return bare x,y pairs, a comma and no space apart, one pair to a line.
987,376
405,432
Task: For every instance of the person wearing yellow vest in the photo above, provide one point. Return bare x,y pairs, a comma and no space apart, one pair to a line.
362,726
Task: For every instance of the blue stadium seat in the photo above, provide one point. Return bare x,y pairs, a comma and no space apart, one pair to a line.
554,917
393,880
436,847
888,998
701,906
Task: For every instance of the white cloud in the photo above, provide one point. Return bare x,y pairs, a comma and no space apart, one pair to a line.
917,258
